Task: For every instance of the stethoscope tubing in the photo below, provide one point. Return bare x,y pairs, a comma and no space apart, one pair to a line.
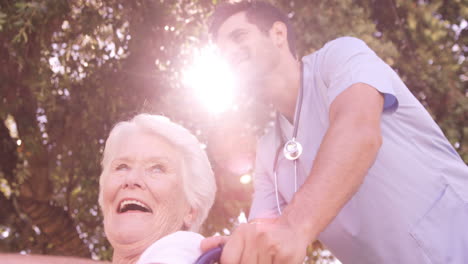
294,135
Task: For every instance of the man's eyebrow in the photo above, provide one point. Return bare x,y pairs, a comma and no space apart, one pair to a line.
236,32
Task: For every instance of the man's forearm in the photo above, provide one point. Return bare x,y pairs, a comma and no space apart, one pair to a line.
346,153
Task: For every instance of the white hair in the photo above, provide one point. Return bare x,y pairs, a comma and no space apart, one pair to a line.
198,179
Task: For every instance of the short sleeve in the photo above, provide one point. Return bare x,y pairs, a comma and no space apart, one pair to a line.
264,198
346,61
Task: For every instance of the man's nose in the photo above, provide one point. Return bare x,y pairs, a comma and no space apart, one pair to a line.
133,179
230,52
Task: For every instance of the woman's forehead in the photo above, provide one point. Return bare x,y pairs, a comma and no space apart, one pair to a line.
143,159
136,144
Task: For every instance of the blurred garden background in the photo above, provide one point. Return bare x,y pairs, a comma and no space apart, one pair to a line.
69,70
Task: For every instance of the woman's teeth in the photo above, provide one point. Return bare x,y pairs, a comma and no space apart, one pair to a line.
133,205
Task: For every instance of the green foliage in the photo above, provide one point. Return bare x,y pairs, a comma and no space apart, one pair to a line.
71,69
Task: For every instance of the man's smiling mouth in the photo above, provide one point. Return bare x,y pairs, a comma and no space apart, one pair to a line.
133,205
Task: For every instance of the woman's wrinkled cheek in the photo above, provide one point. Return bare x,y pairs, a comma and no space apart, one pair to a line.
109,193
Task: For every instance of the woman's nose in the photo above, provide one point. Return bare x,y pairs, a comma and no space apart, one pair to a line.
134,179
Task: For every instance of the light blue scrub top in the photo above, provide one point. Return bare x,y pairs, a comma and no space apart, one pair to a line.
412,206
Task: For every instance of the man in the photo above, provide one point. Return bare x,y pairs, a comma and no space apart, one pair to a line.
377,181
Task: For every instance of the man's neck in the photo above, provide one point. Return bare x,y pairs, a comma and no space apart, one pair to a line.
283,87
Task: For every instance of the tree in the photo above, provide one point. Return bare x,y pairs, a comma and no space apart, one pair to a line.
74,68
431,38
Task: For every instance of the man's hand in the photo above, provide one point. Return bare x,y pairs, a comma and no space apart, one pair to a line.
271,241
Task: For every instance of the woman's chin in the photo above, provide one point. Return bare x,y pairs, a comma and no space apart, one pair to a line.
128,235
127,232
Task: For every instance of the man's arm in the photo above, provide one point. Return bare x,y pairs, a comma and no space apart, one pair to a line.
38,259
347,151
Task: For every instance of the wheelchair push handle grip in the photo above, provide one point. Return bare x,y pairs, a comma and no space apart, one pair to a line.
211,256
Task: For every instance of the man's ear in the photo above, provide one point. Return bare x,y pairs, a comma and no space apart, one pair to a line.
190,218
279,34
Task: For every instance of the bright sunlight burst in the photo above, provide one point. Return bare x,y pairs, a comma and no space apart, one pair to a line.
211,79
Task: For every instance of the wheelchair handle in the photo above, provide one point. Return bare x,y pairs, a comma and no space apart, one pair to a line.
211,256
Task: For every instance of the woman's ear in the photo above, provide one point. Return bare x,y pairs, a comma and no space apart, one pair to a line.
190,218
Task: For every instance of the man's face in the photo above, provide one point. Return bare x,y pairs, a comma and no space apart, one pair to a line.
250,52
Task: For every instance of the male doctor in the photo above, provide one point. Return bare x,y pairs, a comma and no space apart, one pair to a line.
354,159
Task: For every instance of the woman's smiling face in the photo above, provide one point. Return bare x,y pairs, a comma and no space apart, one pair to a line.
142,190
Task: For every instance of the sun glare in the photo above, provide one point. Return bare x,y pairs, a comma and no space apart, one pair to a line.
211,80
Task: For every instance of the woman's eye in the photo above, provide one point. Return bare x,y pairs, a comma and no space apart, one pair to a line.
156,169
121,167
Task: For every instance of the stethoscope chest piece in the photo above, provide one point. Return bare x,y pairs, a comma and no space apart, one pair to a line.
292,149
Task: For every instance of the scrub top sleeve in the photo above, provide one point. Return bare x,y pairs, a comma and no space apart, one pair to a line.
346,61
264,197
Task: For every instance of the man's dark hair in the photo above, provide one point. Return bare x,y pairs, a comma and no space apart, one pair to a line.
259,13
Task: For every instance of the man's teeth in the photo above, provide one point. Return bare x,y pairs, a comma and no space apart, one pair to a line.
126,203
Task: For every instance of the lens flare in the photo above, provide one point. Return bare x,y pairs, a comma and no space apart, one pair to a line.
211,80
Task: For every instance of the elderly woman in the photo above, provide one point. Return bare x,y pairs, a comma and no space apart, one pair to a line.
156,188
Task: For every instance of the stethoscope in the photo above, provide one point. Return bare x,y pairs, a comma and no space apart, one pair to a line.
292,149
